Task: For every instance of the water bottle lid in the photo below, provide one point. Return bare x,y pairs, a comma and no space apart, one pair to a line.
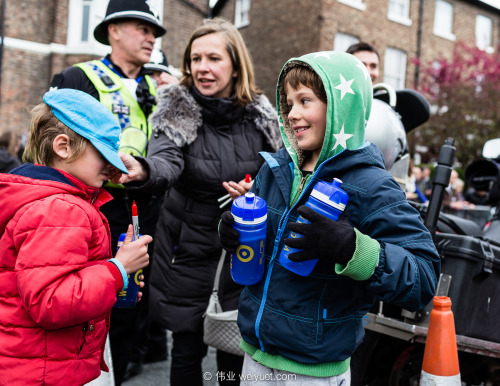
249,209
331,194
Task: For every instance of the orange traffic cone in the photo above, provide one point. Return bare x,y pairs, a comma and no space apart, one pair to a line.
440,365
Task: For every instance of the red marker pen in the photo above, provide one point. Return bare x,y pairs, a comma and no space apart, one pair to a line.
135,221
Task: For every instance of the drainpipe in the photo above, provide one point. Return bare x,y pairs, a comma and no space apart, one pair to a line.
419,41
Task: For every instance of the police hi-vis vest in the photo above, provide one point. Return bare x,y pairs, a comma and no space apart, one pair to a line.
117,98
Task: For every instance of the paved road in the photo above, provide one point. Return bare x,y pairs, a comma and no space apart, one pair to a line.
158,374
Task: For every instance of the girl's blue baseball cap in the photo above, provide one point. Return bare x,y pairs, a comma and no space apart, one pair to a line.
88,117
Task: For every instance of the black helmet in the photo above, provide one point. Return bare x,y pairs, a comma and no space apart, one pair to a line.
158,61
128,9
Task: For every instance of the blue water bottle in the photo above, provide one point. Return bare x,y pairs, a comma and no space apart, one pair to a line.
127,298
326,199
247,262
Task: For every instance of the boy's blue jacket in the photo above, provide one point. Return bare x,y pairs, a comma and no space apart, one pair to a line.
319,319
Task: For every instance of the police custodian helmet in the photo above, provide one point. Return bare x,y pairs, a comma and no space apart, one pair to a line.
158,61
128,9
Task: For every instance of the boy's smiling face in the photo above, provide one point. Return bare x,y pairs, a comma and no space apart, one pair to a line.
307,117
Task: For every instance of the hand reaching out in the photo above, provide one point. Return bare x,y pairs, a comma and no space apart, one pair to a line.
135,169
165,78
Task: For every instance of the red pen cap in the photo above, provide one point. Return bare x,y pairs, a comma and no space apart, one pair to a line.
248,178
134,208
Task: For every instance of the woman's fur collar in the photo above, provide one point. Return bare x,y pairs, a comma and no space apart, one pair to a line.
178,115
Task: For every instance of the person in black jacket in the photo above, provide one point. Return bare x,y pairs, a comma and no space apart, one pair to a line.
207,131
10,142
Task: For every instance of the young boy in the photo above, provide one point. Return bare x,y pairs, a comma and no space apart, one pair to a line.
58,281
310,326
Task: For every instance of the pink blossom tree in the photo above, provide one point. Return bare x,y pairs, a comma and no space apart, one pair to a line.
464,93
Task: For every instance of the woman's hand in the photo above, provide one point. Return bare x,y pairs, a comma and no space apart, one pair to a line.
136,171
165,78
237,189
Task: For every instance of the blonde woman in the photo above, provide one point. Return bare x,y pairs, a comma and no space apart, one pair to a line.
207,134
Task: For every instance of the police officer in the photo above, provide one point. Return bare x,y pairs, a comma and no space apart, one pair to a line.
121,83
368,54
161,72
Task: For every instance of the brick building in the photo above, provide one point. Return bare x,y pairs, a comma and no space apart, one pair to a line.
41,38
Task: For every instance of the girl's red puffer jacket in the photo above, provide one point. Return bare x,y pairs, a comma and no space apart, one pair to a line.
55,292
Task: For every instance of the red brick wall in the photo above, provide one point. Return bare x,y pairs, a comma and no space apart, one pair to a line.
278,30
24,74
180,19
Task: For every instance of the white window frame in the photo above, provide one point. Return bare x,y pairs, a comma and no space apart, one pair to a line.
484,26
442,7
343,41
241,13
399,12
395,68
358,4
97,10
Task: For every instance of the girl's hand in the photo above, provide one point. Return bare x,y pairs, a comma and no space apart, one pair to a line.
134,254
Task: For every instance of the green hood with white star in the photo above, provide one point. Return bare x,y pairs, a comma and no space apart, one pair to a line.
349,94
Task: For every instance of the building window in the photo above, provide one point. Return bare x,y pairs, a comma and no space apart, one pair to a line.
395,68
399,11
484,27
443,20
86,20
358,4
83,16
241,13
343,41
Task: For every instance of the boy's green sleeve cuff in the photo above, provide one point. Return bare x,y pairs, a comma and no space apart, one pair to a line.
364,260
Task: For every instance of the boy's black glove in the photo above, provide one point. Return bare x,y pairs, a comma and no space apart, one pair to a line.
323,239
229,237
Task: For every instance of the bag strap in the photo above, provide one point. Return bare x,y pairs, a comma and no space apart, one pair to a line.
219,270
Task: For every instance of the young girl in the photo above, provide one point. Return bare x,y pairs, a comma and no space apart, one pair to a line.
58,279
305,329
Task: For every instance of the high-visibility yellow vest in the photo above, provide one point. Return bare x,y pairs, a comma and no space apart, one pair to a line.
117,98
113,94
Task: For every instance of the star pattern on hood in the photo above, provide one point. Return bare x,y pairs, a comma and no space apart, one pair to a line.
344,87
323,54
341,138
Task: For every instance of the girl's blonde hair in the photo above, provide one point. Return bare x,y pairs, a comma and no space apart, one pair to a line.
245,89
44,128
